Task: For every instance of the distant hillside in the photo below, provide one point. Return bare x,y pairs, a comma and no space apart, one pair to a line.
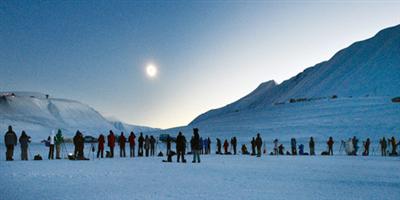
38,115
366,68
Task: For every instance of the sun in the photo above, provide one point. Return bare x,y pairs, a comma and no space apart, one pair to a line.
151,70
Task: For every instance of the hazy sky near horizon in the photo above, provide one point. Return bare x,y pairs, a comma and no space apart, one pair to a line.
208,53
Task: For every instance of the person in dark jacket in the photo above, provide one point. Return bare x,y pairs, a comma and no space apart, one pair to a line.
366,147
168,145
293,144
330,143
24,140
234,144
226,146
140,141
253,147
394,146
209,145
122,142
131,140
196,146
152,146
79,143
311,144
219,145
181,146
383,144
10,140
258,145
100,147
111,143
355,145
147,145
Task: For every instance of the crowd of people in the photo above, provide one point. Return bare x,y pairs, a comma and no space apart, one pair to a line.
147,146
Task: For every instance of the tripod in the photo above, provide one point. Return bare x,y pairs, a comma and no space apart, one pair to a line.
64,150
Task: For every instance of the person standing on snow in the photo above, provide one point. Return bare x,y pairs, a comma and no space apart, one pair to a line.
209,145
330,143
59,139
140,141
253,147
205,146
219,146
152,146
122,142
293,144
276,146
131,140
51,140
355,145
196,147
311,144
168,145
383,144
100,147
24,140
111,143
180,147
10,140
394,146
258,145
366,147
226,146
147,145
234,144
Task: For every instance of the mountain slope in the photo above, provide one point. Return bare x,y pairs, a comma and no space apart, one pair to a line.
366,68
38,115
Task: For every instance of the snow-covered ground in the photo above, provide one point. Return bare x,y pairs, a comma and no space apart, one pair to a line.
217,177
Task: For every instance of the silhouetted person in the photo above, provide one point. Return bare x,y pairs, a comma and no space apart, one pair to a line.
234,144
79,143
111,143
219,145
122,142
293,144
131,140
244,150
258,144
180,147
276,146
152,146
10,140
205,146
196,147
253,146
383,144
51,140
281,149
24,141
311,144
330,143
394,146
209,145
141,142
366,147
226,146
355,145
100,146
168,145
147,145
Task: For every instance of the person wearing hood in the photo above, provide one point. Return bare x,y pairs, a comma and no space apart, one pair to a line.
59,139
24,140
111,143
131,140
196,146
10,140
226,146
100,147
311,144
219,146
140,141
152,146
147,145
234,144
51,140
122,142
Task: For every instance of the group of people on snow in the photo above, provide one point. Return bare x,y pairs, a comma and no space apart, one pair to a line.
147,146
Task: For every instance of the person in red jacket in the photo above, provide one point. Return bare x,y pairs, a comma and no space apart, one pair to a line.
226,145
111,143
121,142
100,148
131,140
330,143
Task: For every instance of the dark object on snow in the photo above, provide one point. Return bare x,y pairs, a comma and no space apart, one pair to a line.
396,100
108,154
37,157
160,154
324,153
334,97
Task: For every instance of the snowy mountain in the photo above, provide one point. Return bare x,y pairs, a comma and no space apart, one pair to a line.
366,68
38,114
346,95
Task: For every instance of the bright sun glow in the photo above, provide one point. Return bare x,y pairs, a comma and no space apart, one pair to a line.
151,70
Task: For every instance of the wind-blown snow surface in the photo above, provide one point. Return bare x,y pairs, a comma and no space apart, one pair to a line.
37,115
217,177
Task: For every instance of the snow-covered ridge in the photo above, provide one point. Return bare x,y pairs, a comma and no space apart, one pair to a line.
366,68
38,114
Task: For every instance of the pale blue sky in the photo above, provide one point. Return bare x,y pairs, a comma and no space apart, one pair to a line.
208,53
